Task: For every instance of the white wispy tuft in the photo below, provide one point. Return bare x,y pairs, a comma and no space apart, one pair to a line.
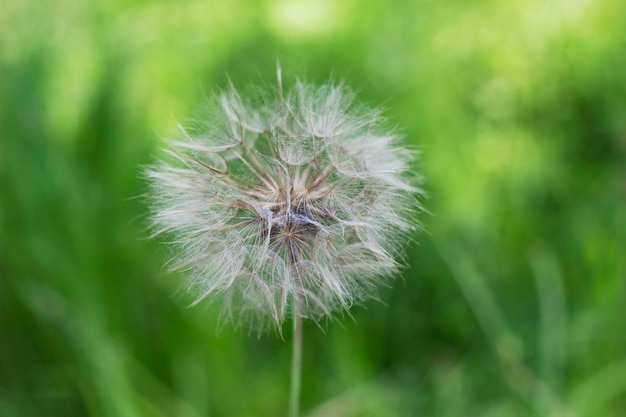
300,197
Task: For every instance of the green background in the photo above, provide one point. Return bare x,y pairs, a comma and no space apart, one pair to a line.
513,300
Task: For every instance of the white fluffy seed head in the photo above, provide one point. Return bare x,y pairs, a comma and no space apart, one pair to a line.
301,197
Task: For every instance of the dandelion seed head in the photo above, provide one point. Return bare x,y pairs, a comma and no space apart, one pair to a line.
300,195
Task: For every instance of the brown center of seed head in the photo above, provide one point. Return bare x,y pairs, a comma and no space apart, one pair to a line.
290,208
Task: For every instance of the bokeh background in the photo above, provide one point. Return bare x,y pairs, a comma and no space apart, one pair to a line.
512,303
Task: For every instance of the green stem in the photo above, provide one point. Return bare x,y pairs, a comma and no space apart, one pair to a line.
296,361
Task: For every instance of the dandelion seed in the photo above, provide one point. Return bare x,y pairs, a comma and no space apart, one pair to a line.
289,204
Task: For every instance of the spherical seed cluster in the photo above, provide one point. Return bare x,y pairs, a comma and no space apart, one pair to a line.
287,199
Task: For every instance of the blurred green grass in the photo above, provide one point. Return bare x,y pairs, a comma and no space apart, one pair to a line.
512,303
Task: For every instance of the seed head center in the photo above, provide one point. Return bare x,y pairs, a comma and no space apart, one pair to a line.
291,215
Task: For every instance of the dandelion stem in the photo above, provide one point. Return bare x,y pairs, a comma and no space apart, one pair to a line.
296,360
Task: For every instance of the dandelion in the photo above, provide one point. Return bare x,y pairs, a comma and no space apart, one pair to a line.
286,205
